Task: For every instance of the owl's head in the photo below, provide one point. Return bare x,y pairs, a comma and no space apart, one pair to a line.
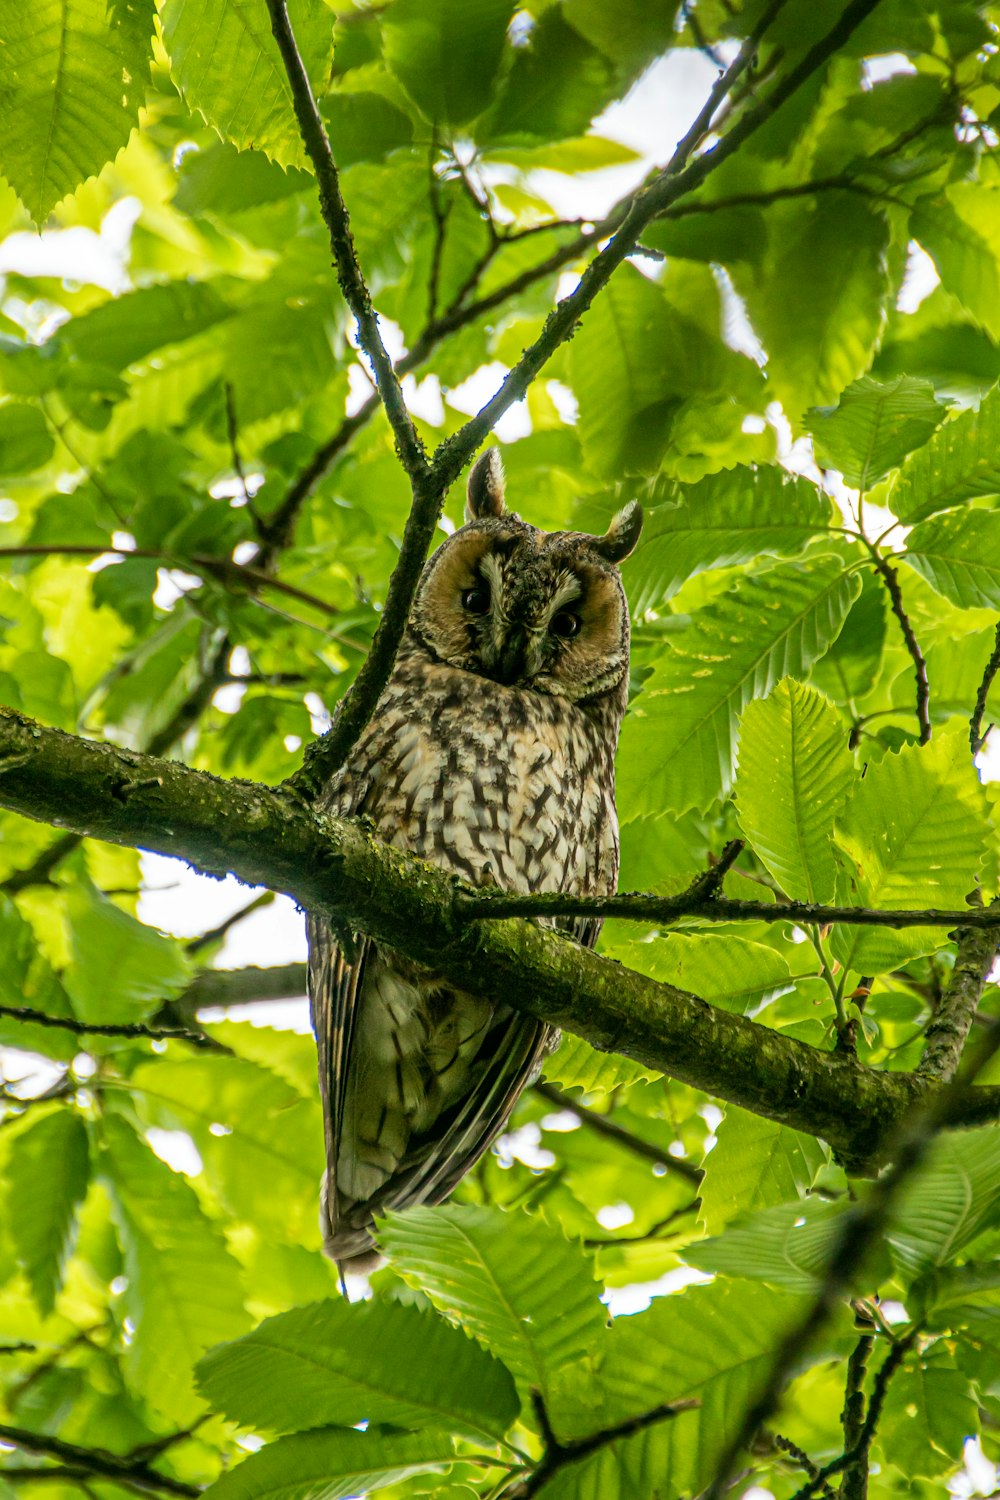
533,609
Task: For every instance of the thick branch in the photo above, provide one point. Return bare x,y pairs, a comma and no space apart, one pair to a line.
335,867
947,1033
224,987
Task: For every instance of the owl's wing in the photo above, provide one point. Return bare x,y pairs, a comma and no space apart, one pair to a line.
334,988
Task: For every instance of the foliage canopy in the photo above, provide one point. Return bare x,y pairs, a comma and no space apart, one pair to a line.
795,369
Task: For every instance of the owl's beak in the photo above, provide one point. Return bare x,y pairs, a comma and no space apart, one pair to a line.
511,663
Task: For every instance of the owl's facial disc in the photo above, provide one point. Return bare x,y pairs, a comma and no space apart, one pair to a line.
526,608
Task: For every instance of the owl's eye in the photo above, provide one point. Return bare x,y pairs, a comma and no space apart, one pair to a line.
476,601
565,624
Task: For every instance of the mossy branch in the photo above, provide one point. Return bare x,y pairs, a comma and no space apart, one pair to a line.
332,866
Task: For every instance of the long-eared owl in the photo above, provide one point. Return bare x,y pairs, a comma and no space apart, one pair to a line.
491,754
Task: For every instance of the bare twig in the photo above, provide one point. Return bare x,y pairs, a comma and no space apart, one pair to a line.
217,933
890,578
96,1462
603,1125
801,1457
977,739
855,1481
137,1029
558,1455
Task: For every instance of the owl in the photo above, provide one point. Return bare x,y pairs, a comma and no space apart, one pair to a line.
490,754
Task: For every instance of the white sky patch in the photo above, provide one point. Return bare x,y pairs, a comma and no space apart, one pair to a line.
979,1476
524,1145
919,279
623,1301
615,1215
180,901
176,1148
77,255
886,65
472,395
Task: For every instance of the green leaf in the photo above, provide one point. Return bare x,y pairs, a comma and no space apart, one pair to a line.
121,332
364,127
516,1284
913,835
787,1245
930,1410
446,53
183,1292
954,1197
819,302
331,1465
336,1364
25,440
556,84
851,667
960,230
731,972
148,968
577,1065
27,979
874,426
47,1174
679,739
755,1163
259,1140
75,74
714,1344
960,462
226,64
725,518
959,555
795,774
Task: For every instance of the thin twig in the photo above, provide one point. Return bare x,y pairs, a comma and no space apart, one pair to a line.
217,933
855,1482
138,1029
977,739
97,1461
602,1125
890,578
557,1455
856,1234
801,1457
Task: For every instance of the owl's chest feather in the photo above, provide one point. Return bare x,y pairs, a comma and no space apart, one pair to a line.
501,785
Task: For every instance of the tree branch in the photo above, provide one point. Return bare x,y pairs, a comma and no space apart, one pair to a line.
96,1462
247,986
855,1481
976,737
890,578
604,1125
557,1455
137,1029
337,868
947,1032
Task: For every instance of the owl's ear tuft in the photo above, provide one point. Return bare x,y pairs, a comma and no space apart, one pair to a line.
484,496
622,535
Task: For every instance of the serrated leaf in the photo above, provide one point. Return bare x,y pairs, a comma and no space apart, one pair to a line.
498,1274
959,555
75,74
960,230
874,426
127,328
27,979
960,462
183,1289
336,1364
679,739
929,1412
819,305
725,518
226,64
331,1465
148,968
795,774
787,1245
259,1139
912,835
754,1164
556,84
715,1345
48,1170
731,972
948,1203
578,1065
446,53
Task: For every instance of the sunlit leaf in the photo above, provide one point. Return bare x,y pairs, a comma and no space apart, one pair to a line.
958,463
332,1464
959,555
755,1163
874,426
47,1174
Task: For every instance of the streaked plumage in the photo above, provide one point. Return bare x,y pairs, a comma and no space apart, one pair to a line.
491,754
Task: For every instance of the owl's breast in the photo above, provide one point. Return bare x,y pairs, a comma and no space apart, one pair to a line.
500,785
